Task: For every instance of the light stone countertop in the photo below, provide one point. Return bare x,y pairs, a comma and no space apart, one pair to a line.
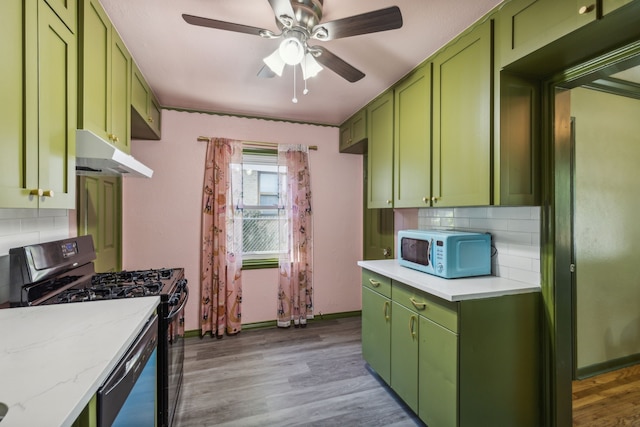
461,289
54,358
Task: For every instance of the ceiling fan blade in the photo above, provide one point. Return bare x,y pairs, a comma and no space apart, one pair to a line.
337,65
266,73
282,7
221,25
389,18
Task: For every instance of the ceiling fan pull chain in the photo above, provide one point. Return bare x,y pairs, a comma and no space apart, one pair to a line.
294,100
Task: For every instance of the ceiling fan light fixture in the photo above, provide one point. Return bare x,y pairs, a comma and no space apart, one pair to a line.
310,67
275,62
291,50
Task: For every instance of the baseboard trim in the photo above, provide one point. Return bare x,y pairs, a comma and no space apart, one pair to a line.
608,366
272,323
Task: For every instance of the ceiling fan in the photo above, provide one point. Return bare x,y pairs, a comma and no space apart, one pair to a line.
299,22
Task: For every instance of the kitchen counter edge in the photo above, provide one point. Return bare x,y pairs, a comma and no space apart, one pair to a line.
460,289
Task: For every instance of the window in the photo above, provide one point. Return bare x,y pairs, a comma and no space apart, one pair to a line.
261,183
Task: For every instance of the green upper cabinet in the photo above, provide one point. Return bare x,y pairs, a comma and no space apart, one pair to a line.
527,25
519,173
19,162
380,152
145,109
353,134
462,117
37,124
412,143
105,77
66,11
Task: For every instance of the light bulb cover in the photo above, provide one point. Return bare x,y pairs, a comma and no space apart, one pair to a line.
275,62
310,67
291,51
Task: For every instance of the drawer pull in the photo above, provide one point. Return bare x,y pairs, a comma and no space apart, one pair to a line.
374,283
412,326
418,305
385,310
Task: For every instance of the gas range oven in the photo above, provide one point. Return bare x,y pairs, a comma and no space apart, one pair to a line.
62,272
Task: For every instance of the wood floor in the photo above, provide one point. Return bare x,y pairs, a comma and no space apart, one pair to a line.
313,376
608,400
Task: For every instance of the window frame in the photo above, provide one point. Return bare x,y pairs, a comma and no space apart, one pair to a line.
254,261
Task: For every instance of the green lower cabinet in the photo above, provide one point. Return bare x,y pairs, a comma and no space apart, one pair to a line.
89,415
456,364
376,332
437,375
404,354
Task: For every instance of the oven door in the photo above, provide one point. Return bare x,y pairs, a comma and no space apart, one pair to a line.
175,351
128,396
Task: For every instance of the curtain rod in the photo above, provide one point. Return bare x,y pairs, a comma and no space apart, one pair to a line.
258,144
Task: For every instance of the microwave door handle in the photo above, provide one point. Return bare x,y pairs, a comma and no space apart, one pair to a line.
430,251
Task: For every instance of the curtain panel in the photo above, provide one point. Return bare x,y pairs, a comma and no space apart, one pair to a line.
295,284
221,259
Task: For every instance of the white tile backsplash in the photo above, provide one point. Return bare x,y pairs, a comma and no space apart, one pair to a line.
515,235
19,227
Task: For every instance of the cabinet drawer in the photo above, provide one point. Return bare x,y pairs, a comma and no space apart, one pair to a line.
376,282
444,313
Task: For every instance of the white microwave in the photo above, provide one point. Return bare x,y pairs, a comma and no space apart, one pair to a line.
448,254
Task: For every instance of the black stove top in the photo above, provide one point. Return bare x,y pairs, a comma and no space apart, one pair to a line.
63,271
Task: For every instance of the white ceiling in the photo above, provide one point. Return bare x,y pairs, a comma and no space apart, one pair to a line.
206,69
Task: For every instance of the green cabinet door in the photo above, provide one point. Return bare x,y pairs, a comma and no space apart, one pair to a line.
99,211
377,226
380,152
462,117
353,133
376,332
145,110
94,70
105,77
66,10
37,124
519,173
139,92
404,354
438,375
527,25
56,110
19,159
412,142
120,93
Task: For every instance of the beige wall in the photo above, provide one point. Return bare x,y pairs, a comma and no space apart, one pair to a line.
161,219
606,228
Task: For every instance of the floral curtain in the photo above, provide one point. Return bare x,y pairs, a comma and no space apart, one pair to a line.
295,287
221,260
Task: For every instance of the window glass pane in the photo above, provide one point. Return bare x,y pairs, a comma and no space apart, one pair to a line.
268,182
260,231
261,176
269,199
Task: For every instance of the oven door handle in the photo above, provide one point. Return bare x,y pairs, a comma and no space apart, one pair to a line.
174,312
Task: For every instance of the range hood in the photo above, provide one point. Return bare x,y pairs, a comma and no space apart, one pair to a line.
95,156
